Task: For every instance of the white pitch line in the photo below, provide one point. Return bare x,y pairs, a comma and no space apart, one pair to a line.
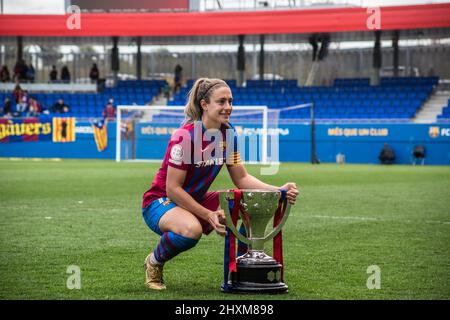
437,222
378,219
30,159
347,218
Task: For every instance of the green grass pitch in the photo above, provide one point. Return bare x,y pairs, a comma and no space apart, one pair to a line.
349,217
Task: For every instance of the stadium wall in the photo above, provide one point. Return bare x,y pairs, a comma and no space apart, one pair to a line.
359,143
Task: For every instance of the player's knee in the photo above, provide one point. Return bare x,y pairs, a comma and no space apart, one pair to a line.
192,230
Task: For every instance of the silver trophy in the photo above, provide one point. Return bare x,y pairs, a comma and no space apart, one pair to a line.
257,272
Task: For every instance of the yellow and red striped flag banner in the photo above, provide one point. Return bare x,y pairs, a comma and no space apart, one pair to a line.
64,129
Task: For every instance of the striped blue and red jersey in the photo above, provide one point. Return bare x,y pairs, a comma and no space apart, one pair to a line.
201,153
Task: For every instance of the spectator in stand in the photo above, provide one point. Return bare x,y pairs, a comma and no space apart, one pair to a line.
94,74
34,107
20,70
4,74
109,112
177,78
6,110
166,91
18,93
111,100
65,74
60,107
22,107
17,71
30,73
53,74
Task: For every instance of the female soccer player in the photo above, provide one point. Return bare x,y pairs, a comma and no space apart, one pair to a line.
178,205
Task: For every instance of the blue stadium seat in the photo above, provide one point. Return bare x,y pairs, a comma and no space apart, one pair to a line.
347,99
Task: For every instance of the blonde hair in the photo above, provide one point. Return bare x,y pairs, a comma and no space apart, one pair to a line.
201,90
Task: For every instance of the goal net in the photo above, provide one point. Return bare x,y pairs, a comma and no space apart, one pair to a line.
143,132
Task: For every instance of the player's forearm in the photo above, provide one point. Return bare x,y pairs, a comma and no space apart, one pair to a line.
185,201
251,182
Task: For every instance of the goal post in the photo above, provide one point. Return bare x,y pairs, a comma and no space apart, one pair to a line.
135,122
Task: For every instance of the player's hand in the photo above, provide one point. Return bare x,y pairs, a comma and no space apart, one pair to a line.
217,220
291,192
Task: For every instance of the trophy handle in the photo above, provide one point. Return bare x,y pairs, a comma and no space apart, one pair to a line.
230,225
277,229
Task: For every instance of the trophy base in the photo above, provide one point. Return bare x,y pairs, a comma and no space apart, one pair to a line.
254,278
256,289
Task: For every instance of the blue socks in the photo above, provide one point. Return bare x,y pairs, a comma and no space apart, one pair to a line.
172,244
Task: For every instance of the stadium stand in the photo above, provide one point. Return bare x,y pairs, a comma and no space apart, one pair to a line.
130,92
393,99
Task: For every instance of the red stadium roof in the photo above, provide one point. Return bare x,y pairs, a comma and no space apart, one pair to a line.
227,23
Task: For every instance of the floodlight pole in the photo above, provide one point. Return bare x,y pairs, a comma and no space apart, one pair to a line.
313,136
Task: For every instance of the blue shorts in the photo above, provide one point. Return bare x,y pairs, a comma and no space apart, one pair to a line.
155,210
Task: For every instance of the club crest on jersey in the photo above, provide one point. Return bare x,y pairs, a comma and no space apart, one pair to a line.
176,154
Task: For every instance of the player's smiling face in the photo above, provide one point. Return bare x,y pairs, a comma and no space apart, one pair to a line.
219,108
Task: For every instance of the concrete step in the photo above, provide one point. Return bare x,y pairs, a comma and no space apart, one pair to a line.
433,107
436,107
429,114
425,120
437,101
